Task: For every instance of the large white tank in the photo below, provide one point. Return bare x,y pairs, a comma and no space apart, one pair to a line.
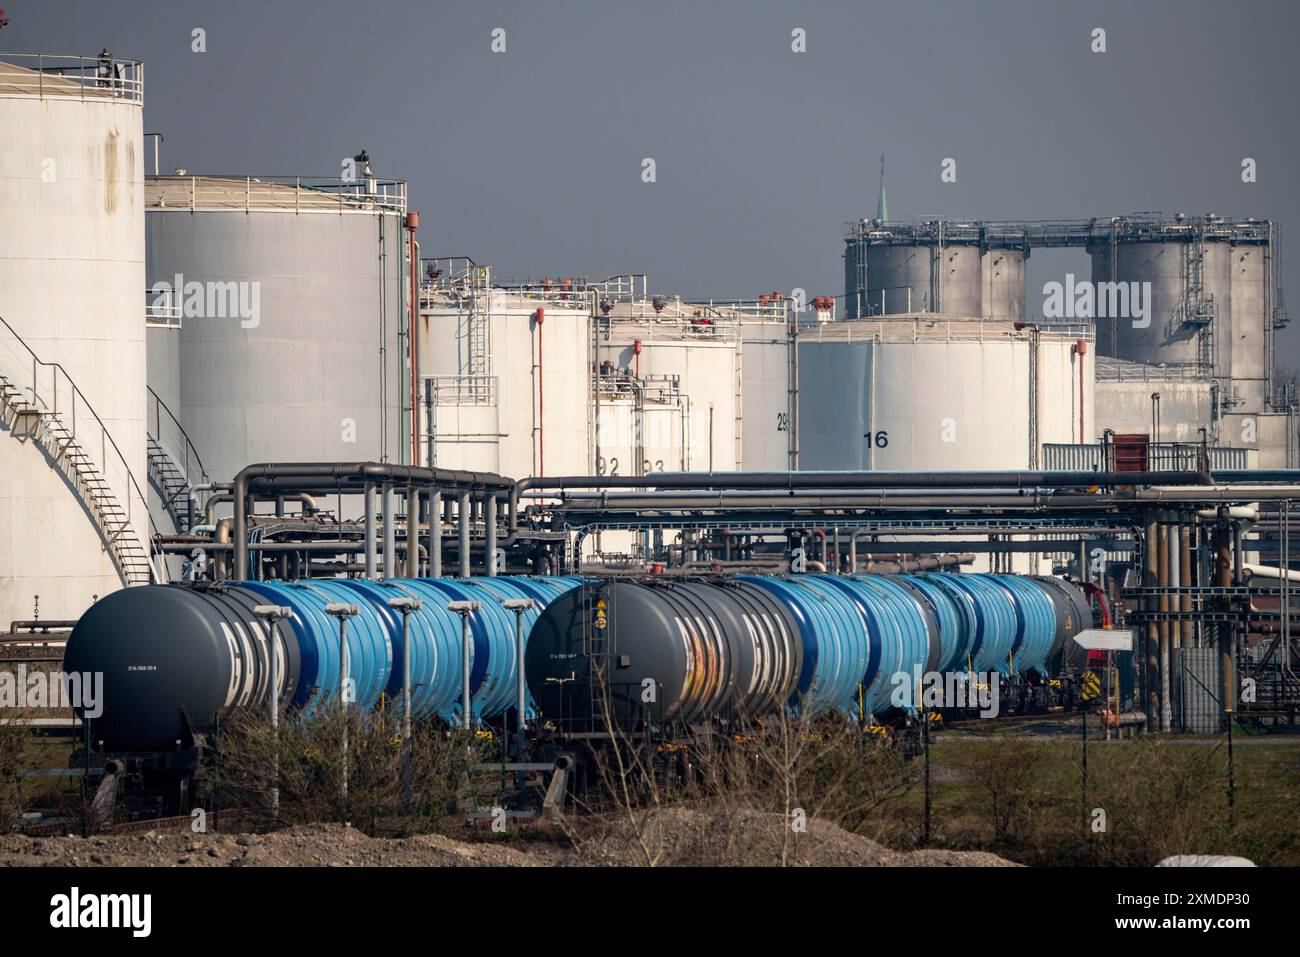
934,393
1211,299
501,391
765,395
1126,403
695,348
937,267
294,300
72,280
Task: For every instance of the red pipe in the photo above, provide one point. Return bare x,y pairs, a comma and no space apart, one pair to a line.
1081,349
412,224
541,398
1091,589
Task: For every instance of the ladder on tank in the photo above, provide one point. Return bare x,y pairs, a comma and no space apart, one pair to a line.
66,435
173,475
1196,311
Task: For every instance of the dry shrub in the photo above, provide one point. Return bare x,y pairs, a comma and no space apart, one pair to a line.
12,803
1162,799
1005,774
310,759
751,797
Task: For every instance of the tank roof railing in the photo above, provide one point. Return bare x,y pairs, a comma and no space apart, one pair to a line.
1110,369
162,308
67,77
301,194
1028,234
936,327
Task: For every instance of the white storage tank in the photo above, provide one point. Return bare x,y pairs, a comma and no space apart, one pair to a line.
73,523
765,395
934,393
1125,402
949,268
1211,298
505,374
694,346
293,293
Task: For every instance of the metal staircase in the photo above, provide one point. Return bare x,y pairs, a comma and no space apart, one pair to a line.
54,414
174,464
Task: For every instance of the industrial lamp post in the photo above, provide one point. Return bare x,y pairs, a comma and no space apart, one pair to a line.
519,606
343,613
271,615
406,606
464,609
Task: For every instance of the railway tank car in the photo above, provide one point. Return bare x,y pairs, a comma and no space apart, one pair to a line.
673,652
178,659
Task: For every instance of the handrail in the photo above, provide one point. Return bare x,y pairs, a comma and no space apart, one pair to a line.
194,192
106,439
71,77
191,453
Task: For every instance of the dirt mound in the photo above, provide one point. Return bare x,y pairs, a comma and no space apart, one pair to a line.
670,837
688,837
320,845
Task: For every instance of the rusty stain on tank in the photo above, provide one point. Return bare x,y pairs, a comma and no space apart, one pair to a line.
110,172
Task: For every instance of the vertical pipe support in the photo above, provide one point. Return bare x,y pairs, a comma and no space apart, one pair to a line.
490,536
390,532
435,533
463,517
412,532
371,544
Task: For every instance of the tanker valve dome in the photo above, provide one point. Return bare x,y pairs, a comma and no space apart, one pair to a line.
432,271
659,302
606,306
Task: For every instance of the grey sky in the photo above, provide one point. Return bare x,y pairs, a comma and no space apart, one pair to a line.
530,160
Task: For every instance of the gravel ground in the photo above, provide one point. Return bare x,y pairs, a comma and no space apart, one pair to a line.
673,837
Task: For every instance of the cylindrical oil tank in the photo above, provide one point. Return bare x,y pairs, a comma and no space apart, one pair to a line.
854,304
958,280
1157,337
837,648
1210,301
766,397
939,394
954,627
901,279
1036,624
293,296
667,652
175,657
1002,278
990,615
696,356
370,649
72,279
1073,614
501,391
903,634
